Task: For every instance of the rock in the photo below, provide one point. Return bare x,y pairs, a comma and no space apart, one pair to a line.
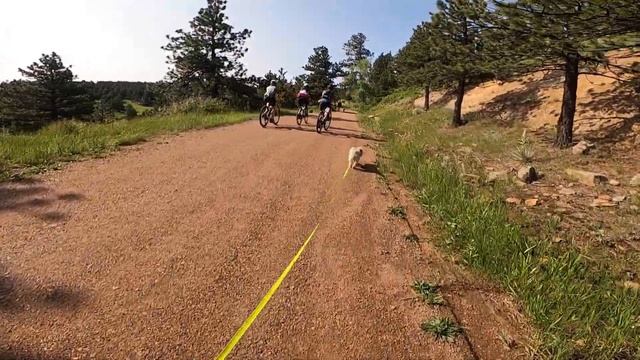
532,202
514,201
605,198
619,198
565,191
527,174
635,181
614,182
497,176
602,203
582,148
631,285
587,177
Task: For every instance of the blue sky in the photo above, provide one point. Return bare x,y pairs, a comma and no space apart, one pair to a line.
121,39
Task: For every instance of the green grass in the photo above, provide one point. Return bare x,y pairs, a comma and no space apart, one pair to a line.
442,328
69,140
578,308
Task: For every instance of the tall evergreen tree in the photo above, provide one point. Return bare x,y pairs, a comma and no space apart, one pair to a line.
49,94
322,71
455,40
415,62
572,36
209,52
355,50
383,76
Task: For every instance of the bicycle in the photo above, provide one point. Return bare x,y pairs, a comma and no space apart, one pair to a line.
303,114
269,114
324,120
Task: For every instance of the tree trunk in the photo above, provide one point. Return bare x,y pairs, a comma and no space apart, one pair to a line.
564,134
457,111
427,96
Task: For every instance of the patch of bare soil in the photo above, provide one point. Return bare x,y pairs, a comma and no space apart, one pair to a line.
607,109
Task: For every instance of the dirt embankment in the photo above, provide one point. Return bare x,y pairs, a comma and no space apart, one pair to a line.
605,106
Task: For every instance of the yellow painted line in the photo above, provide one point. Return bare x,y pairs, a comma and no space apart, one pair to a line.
265,300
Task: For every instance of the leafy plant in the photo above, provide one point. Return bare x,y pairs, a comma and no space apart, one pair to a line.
442,328
428,292
398,211
524,151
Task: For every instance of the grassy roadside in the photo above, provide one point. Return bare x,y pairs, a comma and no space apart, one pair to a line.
69,140
580,311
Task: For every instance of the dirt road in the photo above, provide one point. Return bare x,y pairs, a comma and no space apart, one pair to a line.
162,250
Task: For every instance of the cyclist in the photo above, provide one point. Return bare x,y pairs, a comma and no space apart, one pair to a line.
327,98
270,94
270,99
303,98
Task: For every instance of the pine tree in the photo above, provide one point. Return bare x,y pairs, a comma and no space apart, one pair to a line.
455,39
321,70
383,76
56,95
415,62
355,50
209,52
49,94
572,36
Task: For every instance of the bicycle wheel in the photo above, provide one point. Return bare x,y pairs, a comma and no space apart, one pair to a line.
264,117
276,116
300,116
320,123
327,123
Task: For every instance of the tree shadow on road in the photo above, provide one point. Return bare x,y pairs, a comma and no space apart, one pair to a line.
24,354
34,198
345,134
18,295
340,119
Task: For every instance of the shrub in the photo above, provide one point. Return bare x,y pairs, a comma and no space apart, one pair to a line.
130,112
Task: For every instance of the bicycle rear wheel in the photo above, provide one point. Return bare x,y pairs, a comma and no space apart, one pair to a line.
320,123
276,116
327,123
300,116
264,117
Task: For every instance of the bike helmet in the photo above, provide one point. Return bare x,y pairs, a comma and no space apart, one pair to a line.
273,83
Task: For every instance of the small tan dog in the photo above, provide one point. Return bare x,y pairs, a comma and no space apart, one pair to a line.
355,154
